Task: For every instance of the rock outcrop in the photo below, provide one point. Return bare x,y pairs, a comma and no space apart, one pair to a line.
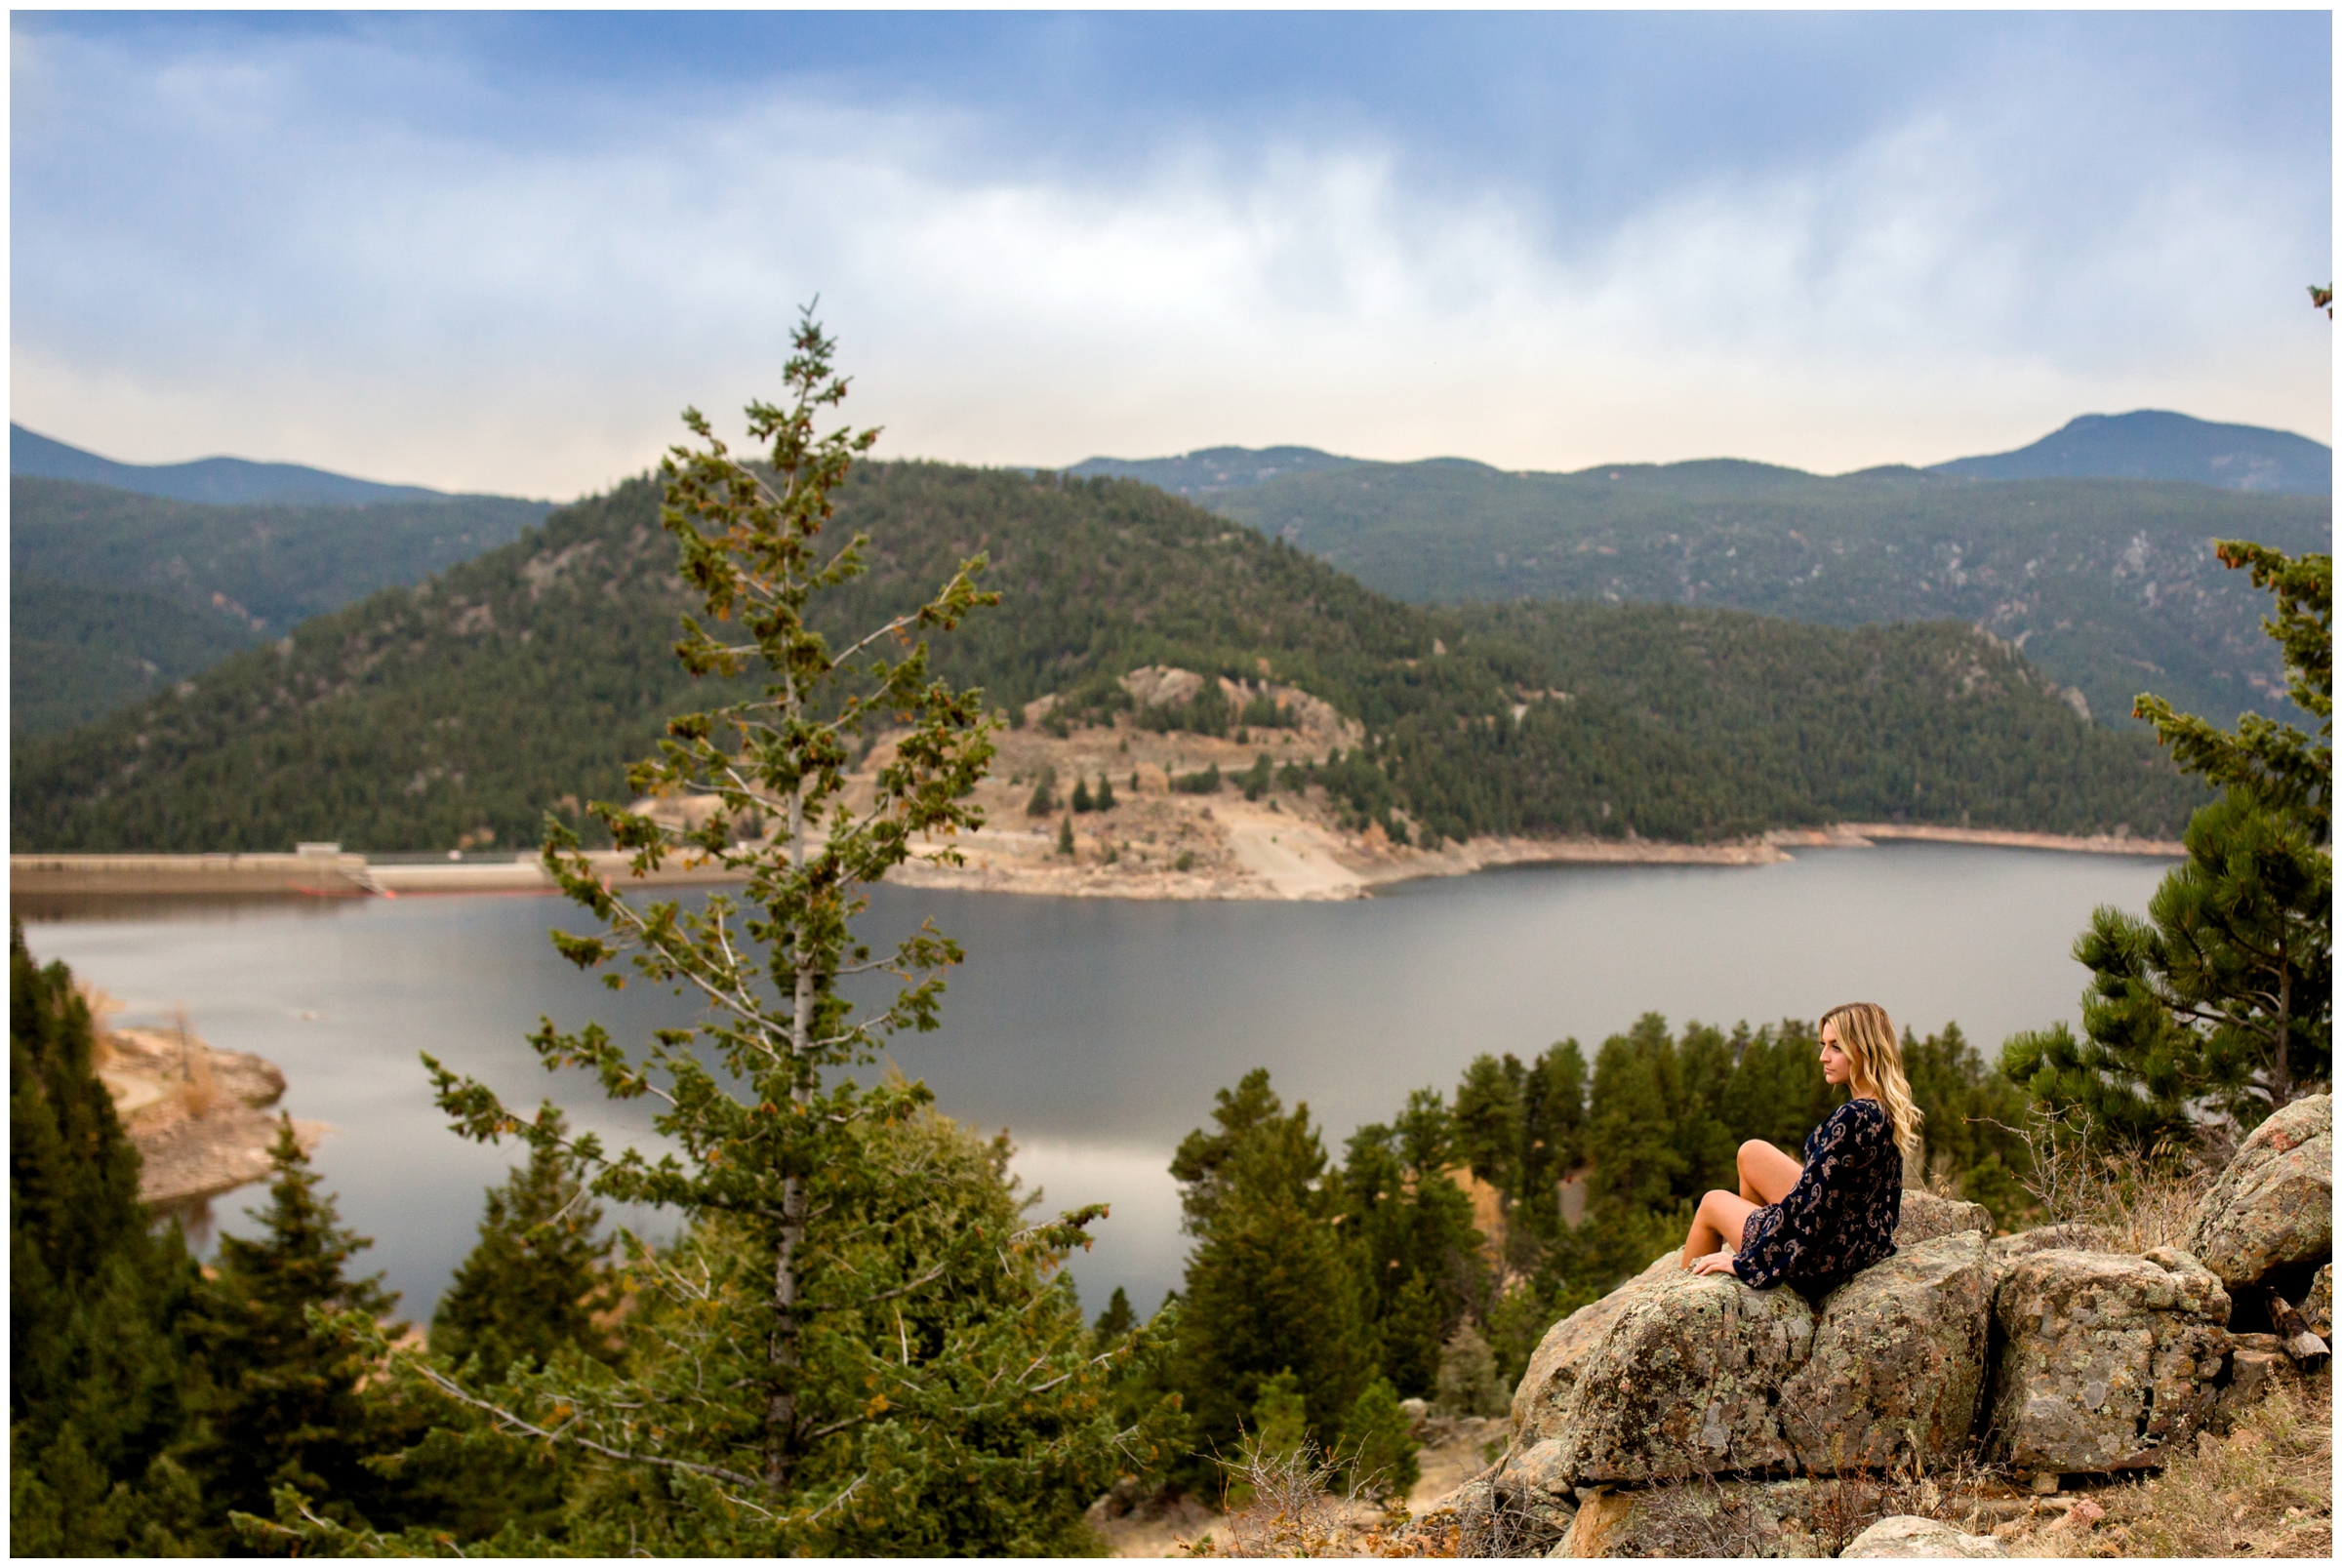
2272,1208
2107,1358
1679,1374
2054,1351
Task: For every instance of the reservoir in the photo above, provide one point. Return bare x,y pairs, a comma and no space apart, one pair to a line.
1096,1031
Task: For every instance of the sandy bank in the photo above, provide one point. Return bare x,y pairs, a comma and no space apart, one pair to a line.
198,1117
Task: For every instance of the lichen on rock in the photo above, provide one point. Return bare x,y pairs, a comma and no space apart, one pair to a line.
2272,1208
2107,1358
1898,1360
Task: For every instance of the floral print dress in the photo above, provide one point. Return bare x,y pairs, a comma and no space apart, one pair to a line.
1841,1216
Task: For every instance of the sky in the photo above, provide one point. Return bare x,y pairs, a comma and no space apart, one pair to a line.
501,252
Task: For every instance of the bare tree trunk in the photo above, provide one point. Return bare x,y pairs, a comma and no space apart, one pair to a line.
785,1355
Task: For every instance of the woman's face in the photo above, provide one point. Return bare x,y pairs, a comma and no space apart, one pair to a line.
1837,1066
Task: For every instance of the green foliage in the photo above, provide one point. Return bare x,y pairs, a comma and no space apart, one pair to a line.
1279,1426
76,652
1468,1383
1082,801
95,1359
1115,1322
538,1277
1207,783
2064,564
1378,1444
1044,794
1256,779
2221,1001
114,597
281,1392
860,1347
1065,836
269,566
1103,797
1268,1288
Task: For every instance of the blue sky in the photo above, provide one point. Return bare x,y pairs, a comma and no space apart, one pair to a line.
501,252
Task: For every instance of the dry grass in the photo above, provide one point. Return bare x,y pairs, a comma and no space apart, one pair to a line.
2266,1491
2142,1198
1296,1505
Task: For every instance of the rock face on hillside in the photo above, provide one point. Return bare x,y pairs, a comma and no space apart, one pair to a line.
2107,1358
2272,1208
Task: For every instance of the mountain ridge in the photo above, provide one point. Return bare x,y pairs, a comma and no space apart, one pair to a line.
209,481
460,710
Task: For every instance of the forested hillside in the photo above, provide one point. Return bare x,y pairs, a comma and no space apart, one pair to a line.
2108,584
113,595
459,712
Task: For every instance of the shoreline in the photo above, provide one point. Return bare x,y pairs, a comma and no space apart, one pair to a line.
1266,859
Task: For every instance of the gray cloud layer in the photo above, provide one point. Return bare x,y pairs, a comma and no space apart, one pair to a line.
384,249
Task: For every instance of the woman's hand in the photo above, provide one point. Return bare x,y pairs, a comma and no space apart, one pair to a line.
1715,1262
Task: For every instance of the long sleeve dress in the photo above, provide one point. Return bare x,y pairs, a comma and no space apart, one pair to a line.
1841,1216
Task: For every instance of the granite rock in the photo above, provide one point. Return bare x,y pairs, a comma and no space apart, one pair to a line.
2273,1206
2106,1358
1898,1360
1925,1216
1907,1535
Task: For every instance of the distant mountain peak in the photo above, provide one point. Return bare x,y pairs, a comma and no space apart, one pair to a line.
215,481
1211,469
2159,444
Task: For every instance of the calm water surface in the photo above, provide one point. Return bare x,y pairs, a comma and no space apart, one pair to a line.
1096,1031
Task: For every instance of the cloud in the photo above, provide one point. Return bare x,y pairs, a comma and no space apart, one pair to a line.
366,253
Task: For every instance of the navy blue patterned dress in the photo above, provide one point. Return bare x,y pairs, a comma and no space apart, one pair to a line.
1841,1216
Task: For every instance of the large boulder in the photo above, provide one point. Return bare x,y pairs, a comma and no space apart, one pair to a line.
1673,1374
1898,1360
2272,1209
1925,1216
1551,1381
2106,1358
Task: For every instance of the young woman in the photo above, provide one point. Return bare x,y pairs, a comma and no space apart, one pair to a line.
1815,1225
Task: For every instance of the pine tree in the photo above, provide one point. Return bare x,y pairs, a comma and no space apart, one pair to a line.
1378,1443
95,1301
538,1277
1268,1288
1044,794
859,1343
1488,1120
1065,836
1467,1384
1116,1323
281,1396
1104,799
1081,801
2223,997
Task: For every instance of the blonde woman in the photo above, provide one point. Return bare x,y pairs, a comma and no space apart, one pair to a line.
1817,1224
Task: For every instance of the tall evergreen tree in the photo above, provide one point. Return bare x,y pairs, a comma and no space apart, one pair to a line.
281,1396
860,1345
2221,1001
538,1277
1269,1290
94,1305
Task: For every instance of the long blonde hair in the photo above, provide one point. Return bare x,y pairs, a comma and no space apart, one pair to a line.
1868,1038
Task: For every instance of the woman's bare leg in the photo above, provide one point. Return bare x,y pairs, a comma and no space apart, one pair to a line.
1766,1173
1717,1226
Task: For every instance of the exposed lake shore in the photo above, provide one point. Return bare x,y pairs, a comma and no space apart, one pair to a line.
1155,841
